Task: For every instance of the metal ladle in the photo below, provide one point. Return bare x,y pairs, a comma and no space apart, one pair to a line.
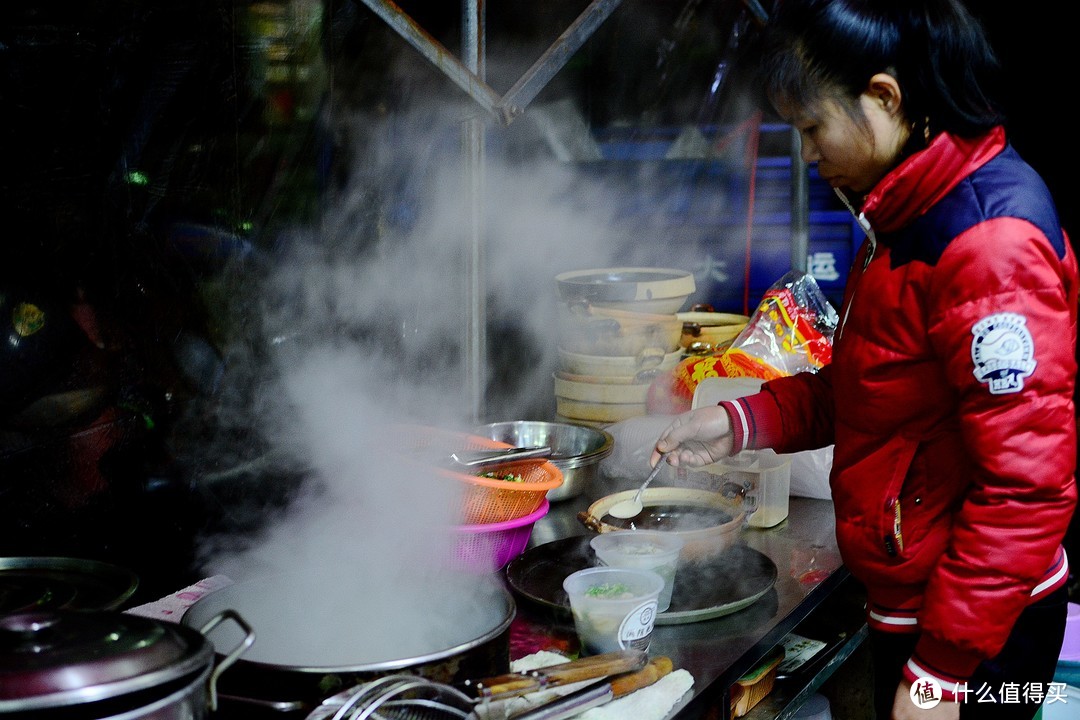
629,508
497,456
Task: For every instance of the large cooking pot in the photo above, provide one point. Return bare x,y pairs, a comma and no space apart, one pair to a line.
88,664
318,635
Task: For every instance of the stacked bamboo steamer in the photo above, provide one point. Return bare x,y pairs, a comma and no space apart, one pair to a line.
707,332
618,328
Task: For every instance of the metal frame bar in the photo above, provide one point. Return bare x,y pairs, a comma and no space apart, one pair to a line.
469,73
460,73
800,205
474,148
504,108
547,65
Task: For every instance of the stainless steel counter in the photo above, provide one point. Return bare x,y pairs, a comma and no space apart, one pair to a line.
719,651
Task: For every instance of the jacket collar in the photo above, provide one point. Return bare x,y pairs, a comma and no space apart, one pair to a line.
924,178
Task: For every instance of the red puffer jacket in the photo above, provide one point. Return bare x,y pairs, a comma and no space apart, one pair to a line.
949,400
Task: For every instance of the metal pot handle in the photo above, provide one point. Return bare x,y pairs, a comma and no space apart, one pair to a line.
232,657
586,518
735,492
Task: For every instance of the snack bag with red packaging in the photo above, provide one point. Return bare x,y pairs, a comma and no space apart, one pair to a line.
791,331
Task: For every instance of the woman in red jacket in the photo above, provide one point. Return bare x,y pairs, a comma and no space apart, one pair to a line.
950,395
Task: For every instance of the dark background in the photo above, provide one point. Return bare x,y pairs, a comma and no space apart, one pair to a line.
145,159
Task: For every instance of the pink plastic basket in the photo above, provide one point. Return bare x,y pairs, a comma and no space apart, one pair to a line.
488,547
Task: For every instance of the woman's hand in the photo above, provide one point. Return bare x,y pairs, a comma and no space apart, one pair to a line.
696,438
904,708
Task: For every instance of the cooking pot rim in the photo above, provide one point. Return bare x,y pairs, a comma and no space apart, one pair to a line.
209,604
510,430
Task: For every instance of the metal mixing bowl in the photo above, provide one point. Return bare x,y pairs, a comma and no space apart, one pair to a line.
576,450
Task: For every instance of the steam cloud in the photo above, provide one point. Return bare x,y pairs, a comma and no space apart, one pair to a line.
358,323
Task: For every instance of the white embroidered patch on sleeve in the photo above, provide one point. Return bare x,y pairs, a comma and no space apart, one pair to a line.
1003,352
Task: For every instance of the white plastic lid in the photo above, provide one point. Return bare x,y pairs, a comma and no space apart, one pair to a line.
816,707
712,390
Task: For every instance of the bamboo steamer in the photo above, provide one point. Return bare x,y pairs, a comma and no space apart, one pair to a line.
600,399
618,390
651,360
597,412
596,331
636,289
707,331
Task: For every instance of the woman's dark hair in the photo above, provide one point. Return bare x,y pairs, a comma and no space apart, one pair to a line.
936,50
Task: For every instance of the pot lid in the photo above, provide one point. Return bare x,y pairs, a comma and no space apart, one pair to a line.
58,658
30,584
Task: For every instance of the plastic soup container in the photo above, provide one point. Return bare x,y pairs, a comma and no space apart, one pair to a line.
614,608
654,550
766,478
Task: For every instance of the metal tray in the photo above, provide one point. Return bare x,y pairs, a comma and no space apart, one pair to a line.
54,583
709,588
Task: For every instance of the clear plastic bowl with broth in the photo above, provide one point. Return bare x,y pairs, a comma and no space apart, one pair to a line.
613,608
643,550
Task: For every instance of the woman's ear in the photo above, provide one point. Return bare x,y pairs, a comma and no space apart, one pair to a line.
885,90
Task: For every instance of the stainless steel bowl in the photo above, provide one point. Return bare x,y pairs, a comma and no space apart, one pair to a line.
575,449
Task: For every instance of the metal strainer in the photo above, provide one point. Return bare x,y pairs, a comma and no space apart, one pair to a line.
410,697
396,697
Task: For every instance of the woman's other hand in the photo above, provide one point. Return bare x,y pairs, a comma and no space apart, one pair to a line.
904,708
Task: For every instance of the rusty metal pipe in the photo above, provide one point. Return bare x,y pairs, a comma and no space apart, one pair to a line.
439,56
555,57
474,149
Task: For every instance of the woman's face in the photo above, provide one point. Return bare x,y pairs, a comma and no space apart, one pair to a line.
851,153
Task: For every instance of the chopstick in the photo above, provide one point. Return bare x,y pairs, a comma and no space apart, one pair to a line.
598,693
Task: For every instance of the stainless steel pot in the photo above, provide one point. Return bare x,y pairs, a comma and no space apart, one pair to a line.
576,450
317,639
108,665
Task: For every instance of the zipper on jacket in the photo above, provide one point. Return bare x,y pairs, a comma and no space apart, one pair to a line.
894,542
872,246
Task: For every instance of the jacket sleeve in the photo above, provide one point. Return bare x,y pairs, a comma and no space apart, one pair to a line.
789,414
1002,318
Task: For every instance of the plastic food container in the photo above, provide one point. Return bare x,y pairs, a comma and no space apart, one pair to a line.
614,608
766,478
1070,645
816,707
711,390
644,550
